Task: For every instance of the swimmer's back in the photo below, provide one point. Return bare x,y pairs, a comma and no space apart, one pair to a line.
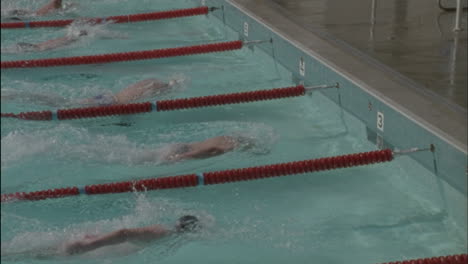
142,90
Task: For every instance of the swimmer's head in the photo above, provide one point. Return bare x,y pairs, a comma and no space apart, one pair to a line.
57,4
187,223
75,34
152,87
179,80
243,142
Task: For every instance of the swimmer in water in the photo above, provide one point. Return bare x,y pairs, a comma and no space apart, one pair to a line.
51,6
51,44
196,150
187,223
148,88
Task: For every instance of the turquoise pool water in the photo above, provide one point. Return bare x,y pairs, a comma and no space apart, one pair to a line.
366,214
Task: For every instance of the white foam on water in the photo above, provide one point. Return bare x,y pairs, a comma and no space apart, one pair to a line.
50,243
68,142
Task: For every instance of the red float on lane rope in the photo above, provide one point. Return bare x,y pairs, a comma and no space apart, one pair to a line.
110,110
234,98
453,259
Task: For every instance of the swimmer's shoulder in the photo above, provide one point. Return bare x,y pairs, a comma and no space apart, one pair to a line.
156,229
148,233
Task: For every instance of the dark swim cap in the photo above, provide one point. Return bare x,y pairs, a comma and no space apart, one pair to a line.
188,223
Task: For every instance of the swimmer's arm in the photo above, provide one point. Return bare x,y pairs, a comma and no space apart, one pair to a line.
123,235
200,153
140,90
193,154
49,7
55,43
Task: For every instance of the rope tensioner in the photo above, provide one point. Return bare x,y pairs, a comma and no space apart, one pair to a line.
167,105
216,177
431,148
453,259
115,19
125,56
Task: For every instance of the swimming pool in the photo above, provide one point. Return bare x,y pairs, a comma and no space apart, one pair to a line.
366,214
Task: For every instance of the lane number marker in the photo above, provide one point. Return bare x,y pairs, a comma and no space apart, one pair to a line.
380,121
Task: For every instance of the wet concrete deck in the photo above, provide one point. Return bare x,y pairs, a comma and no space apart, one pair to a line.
432,87
413,37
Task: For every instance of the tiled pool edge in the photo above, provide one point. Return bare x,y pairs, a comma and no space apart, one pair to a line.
448,162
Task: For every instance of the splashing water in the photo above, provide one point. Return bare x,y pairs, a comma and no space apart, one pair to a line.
146,211
93,30
68,142
61,95
83,32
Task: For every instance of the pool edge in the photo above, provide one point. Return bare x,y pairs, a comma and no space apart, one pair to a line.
423,109
414,119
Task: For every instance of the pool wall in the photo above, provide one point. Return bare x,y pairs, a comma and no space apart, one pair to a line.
387,126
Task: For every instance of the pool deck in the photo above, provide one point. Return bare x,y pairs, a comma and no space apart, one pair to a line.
397,91
413,37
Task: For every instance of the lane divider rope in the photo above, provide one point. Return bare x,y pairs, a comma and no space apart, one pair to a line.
164,105
124,56
115,19
210,178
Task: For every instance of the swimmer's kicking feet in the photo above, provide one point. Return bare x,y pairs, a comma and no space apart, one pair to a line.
148,88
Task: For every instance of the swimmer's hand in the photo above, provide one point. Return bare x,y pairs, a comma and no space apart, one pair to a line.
76,247
208,148
69,5
176,81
